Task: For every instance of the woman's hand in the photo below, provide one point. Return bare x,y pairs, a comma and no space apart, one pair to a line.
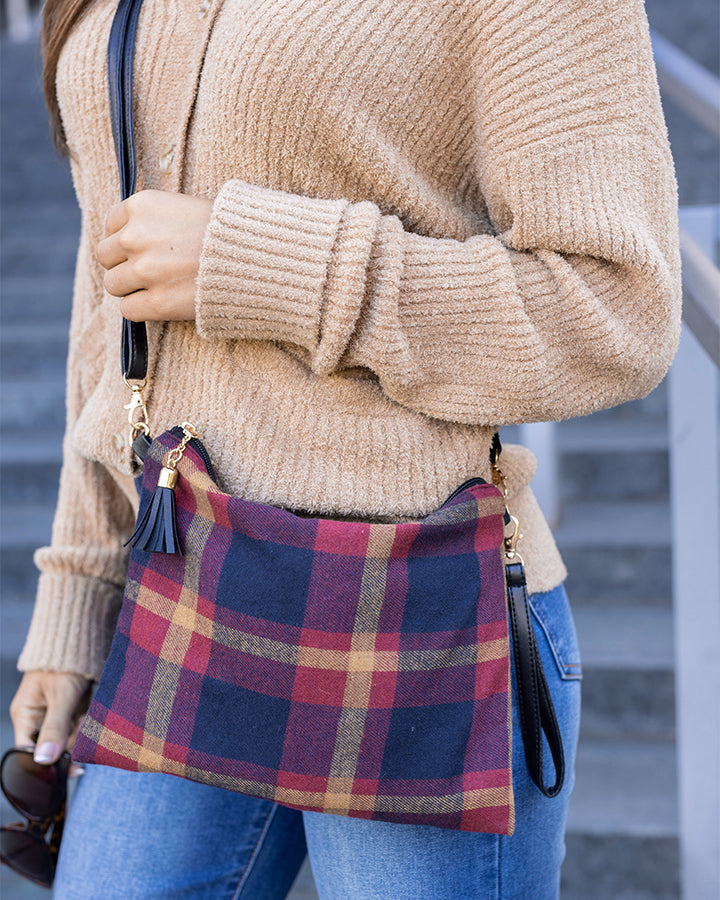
49,705
152,254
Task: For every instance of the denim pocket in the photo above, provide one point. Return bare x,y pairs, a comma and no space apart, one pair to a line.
552,613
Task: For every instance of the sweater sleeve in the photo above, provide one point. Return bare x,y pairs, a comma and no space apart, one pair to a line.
570,304
82,572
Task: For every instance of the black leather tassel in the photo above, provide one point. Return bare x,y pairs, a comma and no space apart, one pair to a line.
156,531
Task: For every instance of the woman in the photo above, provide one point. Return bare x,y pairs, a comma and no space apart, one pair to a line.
365,234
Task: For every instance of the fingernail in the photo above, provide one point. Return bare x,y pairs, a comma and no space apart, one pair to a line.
75,770
46,752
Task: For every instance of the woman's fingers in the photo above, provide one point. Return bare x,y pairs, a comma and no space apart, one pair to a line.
137,307
110,250
152,253
123,279
56,727
110,253
27,710
46,707
67,696
117,217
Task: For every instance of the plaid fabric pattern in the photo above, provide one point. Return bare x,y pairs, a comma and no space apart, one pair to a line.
333,666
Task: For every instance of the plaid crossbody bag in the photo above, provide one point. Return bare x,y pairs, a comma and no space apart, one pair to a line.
354,668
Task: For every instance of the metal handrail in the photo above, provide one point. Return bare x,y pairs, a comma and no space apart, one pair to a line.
701,299
694,426
688,83
698,92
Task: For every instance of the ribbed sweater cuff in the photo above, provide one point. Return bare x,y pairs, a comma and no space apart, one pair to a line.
72,625
264,265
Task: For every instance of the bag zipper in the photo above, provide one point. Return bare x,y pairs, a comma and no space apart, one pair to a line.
199,448
471,482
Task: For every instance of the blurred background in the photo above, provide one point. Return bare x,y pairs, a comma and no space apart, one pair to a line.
632,492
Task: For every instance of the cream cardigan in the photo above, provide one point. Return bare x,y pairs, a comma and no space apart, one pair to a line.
430,218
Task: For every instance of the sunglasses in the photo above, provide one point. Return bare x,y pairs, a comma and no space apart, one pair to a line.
38,793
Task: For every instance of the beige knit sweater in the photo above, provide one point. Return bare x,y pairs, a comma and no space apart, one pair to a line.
431,217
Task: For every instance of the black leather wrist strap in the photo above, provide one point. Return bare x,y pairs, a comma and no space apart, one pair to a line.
121,47
537,714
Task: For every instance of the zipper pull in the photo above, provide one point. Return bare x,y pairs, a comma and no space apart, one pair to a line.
156,531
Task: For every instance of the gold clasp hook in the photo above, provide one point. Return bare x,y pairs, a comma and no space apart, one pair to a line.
511,540
135,406
498,478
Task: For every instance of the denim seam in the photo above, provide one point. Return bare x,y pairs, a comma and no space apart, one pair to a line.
256,850
563,666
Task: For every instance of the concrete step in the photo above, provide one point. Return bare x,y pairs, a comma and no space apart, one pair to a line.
20,252
618,576
595,434
32,185
606,457
628,704
23,525
617,867
31,480
16,614
34,406
636,638
30,472
616,551
639,775
615,524
26,294
34,350
628,679
623,822
610,459
17,450
58,215
23,528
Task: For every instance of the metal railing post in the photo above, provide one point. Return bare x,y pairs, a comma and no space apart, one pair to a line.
19,19
540,437
694,422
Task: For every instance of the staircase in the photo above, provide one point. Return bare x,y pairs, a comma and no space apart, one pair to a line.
622,837
39,228
615,537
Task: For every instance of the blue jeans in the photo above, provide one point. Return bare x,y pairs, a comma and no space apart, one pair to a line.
156,837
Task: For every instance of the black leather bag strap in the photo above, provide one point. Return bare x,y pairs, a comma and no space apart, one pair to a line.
121,47
537,714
